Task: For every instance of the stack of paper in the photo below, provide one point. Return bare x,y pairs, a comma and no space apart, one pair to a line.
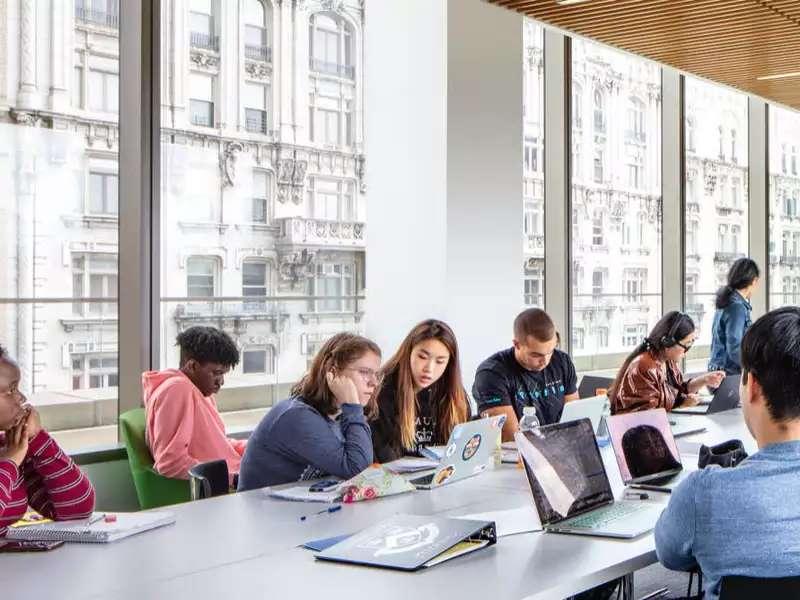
411,464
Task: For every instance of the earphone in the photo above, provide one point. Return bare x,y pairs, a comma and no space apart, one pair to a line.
667,341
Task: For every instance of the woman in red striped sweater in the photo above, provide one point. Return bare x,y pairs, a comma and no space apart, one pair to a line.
34,471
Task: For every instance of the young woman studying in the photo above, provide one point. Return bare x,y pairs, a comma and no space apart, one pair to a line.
651,378
422,397
321,429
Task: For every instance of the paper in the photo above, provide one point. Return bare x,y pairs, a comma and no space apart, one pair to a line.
510,457
411,464
509,522
301,493
96,529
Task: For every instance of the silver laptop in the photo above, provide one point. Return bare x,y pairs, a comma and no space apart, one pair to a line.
570,487
646,452
593,409
726,397
469,451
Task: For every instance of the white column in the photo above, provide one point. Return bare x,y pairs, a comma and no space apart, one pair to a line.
758,199
444,171
61,52
673,175
28,96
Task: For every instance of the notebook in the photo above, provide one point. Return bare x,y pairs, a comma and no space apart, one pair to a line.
97,529
412,542
372,482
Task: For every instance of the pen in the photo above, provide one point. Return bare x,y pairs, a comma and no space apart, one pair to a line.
637,495
330,509
96,517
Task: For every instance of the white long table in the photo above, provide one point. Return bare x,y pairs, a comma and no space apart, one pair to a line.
246,546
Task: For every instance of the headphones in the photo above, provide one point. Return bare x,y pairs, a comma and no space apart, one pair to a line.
667,341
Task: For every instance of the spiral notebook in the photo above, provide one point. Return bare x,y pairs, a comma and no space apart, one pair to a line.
99,528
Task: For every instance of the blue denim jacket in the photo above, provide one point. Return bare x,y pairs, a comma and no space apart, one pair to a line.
727,332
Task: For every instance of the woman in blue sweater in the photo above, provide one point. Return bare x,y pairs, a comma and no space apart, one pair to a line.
732,317
321,429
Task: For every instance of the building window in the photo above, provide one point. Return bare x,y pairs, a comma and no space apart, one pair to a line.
104,13
259,360
103,91
331,41
201,274
533,291
599,113
77,87
690,135
577,106
531,158
256,42
794,160
598,165
722,238
92,371
735,236
721,140
261,195
692,231
201,99
103,194
202,24
94,275
635,131
255,111
333,281
633,335
783,158
254,283
598,228
733,146
602,337
634,284
578,338
598,283
735,200
331,200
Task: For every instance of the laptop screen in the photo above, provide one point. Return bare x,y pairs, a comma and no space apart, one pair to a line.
564,469
643,445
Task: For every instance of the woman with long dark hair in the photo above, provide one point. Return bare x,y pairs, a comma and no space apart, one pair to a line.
651,378
321,429
422,397
732,317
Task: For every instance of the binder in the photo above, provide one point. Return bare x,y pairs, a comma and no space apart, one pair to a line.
412,542
97,529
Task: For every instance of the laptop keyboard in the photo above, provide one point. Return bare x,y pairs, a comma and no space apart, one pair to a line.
604,516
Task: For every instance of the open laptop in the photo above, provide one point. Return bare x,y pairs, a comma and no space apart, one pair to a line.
570,487
645,448
726,397
469,451
593,409
590,383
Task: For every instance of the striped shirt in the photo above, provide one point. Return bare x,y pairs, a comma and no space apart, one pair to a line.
48,481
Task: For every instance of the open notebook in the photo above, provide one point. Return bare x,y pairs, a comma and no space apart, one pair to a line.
98,528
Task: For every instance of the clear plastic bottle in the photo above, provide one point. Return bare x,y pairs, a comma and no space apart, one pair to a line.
529,420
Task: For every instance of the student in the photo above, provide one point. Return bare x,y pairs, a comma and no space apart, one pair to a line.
34,471
746,520
533,372
422,397
732,317
650,376
321,429
183,425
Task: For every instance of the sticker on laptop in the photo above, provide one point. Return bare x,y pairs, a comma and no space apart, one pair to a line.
444,474
471,447
451,449
479,469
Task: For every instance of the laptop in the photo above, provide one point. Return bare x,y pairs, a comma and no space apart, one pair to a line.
570,487
645,449
589,383
726,397
593,409
469,451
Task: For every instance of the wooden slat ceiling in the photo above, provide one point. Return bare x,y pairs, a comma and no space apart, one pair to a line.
729,41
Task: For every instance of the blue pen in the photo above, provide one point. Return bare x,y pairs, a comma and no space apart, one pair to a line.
330,509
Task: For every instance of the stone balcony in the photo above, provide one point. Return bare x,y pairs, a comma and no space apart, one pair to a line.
318,233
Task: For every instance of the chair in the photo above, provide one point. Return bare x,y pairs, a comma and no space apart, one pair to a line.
208,479
152,489
589,383
737,587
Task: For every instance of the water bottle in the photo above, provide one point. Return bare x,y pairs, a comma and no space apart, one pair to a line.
529,420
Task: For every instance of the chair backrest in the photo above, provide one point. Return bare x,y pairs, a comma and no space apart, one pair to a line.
737,587
209,479
589,383
152,489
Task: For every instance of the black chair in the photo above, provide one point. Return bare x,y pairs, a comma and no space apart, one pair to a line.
209,479
737,587
589,383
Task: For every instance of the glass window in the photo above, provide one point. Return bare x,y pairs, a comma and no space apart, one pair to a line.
331,39
532,174
261,195
616,208
784,193
202,25
59,213
255,111
200,276
716,174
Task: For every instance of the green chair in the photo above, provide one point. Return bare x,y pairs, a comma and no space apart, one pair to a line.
152,489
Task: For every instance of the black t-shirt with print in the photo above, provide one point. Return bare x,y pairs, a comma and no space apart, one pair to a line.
502,381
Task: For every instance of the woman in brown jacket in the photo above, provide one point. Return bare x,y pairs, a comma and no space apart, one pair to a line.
650,376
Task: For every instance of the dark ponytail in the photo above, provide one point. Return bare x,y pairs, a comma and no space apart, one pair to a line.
742,273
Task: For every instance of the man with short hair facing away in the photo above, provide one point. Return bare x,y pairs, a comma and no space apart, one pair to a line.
533,372
183,425
746,520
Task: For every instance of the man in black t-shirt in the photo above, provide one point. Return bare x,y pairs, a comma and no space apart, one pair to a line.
531,373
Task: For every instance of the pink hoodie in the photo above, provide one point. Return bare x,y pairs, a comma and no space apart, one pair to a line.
183,426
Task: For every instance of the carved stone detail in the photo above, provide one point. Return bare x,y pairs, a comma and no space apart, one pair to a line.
27,118
206,61
291,179
227,163
297,266
257,70
336,6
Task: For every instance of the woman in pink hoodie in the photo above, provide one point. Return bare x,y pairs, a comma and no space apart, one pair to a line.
183,425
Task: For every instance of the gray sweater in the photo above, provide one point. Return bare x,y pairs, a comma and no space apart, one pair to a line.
295,442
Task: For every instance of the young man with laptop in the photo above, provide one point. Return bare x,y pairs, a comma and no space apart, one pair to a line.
746,520
533,372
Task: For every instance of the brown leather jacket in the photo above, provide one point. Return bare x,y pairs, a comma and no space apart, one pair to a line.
646,384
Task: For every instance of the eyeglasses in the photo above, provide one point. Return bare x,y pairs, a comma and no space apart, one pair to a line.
367,374
685,347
